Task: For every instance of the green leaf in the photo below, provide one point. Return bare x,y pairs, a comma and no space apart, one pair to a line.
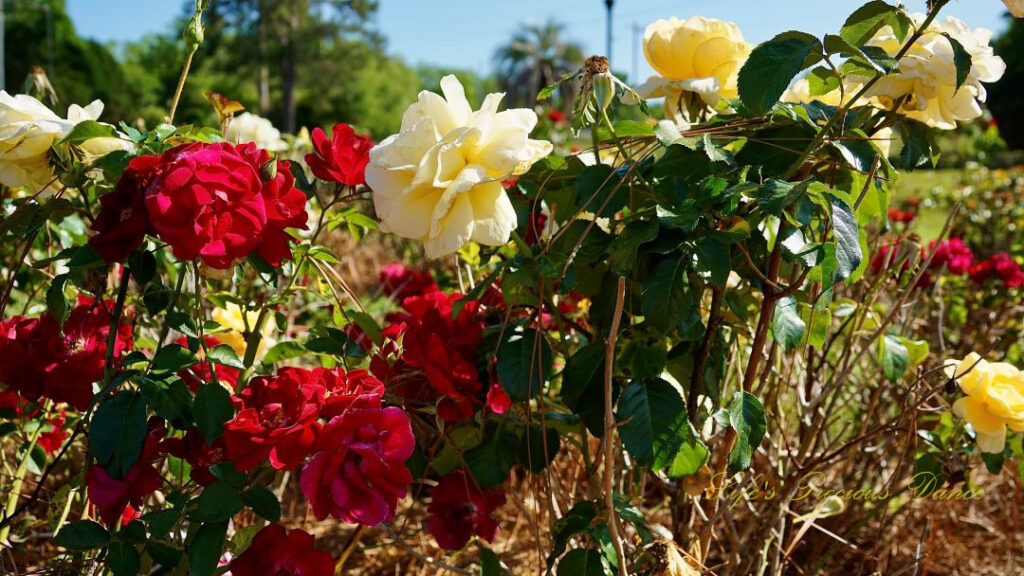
961,58
538,447
57,303
170,399
88,130
787,326
206,548
844,227
490,564
692,455
746,416
919,145
174,357
524,364
491,461
868,19
822,80
218,502
775,195
993,462
664,295
123,559
263,502
577,520
212,408
622,250
142,265
82,535
713,259
652,422
857,152
282,351
583,386
894,357
225,355
581,562
772,66
117,432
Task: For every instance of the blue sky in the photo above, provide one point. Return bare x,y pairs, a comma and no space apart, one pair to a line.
464,33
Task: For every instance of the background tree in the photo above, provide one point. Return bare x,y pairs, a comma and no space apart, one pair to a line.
535,57
1004,96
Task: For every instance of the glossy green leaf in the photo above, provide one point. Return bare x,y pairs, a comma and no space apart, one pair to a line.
772,66
746,416
118,431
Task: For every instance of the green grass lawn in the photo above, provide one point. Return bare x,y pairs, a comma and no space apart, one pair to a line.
921,184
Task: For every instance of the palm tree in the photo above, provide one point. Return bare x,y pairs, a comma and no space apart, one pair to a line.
535,57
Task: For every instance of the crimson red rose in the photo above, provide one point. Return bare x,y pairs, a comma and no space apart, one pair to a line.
52,440
278,552
353,390
459,510
556,116
123,223
904,216
276,419
209,202
38,361
953,254
343,159
399,282
112,496
360,474
200,372
1008,270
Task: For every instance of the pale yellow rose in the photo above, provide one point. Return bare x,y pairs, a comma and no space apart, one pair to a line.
28,129
698,55
439,179
231,317
247,127
994,399
926,77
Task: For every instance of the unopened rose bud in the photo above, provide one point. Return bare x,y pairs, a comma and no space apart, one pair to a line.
268,171
194,32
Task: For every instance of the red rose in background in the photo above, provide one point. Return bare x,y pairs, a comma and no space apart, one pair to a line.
343,159
360,474
200,373
209,202
459,510
399,282
1008,270
904,216
277,418
556,116
353,390
51,441
38,361
277,552
123,223
952,253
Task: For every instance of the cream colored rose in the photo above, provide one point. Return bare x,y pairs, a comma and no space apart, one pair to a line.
439,179
28,129
698,55
924,87
994,399
248,127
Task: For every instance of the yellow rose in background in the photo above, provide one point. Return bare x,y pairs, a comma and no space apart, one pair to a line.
439,179
28,129
995,399
231,318
925,85
698,55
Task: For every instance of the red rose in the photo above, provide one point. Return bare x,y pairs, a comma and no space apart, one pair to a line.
952,253
52,440
360,474
38,361
556,116
112,496
353,390
459,510
209,202
277,552
200,373
1008,270
123,223
904,216
399,282
276,419
343,159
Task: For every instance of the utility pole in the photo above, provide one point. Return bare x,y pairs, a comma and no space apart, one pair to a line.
3,69
608,46
635,77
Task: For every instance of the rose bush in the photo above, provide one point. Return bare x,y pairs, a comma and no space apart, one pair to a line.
600,342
